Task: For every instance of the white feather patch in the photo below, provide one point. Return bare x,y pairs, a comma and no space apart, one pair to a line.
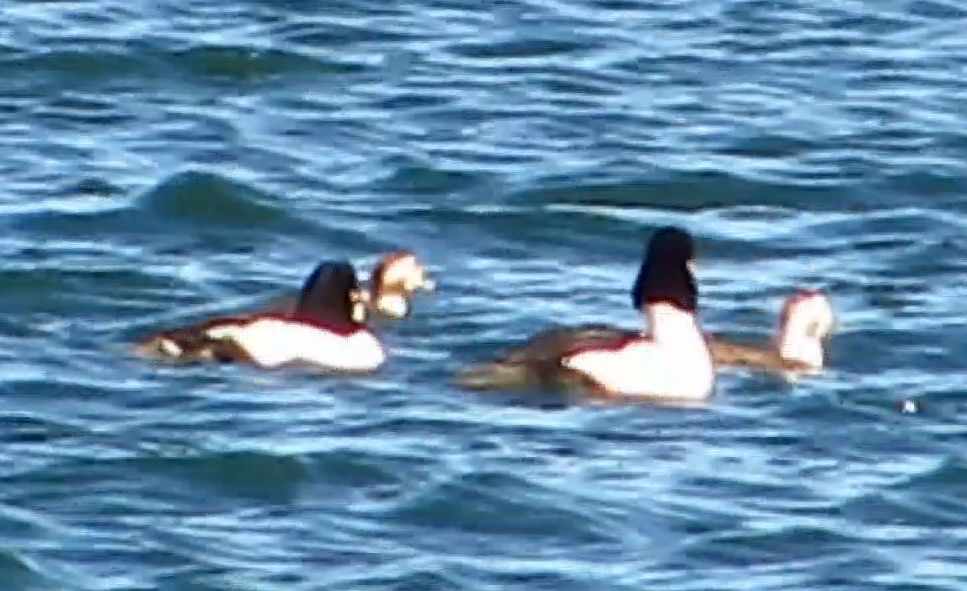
170,348
394,305
272,342
647,368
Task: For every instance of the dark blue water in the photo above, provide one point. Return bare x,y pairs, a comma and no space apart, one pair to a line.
164,161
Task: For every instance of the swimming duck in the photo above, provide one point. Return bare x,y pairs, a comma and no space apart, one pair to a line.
805,320
393,283
671,360
326,329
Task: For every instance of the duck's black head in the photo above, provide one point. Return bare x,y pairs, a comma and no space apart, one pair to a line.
331,294
665,274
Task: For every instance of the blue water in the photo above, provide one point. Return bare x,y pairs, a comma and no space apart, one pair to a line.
167,161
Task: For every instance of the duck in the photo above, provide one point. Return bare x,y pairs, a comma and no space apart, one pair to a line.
325,329
806,319
394,281
670,360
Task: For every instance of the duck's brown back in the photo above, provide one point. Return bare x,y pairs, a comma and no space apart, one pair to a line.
536,364
190,345
726,353
554,343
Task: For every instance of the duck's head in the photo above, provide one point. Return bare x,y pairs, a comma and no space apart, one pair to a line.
395,279
331,293
809,312
807,317
666,274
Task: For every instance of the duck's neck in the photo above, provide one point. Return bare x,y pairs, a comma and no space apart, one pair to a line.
796,344
680,344
676,328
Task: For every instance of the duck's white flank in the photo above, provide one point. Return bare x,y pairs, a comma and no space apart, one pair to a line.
272,342
672,361
808,321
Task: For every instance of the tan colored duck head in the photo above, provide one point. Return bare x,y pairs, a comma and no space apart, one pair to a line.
394,281
805,321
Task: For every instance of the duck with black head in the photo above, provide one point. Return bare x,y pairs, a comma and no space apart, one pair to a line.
798,347
669,360
325,329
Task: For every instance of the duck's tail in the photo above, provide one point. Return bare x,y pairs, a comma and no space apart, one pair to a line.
187,346
169,349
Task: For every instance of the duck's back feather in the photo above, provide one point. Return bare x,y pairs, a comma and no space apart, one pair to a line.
555,343
730,354
536,363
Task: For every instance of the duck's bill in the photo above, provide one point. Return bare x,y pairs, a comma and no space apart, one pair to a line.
426,283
